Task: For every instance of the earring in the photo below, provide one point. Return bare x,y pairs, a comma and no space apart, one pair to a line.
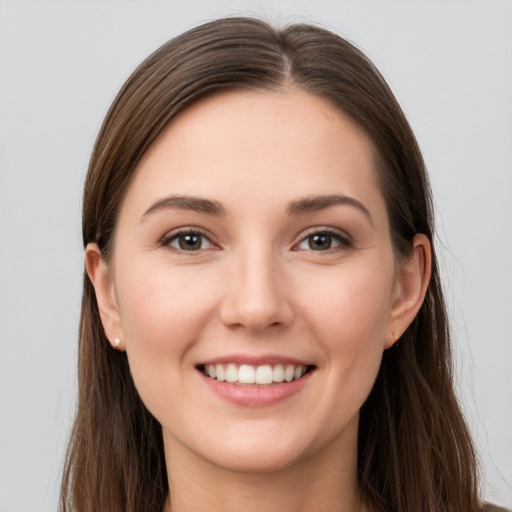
117,342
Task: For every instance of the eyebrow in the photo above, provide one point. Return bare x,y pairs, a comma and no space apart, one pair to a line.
214,208
318,203
195,204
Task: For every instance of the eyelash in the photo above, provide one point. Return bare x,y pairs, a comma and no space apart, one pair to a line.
343,242
176,235
342,239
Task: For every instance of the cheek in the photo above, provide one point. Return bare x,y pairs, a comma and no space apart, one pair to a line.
161,305
349,304
347,314
163,313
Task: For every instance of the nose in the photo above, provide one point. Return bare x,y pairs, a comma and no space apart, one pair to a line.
257,295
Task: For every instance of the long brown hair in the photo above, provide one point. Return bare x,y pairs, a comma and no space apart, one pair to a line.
414,449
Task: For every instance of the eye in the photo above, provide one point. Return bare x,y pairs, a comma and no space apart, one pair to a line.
188,241
323,241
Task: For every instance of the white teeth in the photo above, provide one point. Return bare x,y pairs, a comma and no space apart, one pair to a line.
221,374
264,374
289,373
278,375
247,374
231,373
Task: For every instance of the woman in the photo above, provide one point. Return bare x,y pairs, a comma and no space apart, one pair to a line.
263,324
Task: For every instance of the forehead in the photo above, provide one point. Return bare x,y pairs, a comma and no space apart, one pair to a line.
268,144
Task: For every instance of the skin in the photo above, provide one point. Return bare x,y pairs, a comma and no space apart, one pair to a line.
258,285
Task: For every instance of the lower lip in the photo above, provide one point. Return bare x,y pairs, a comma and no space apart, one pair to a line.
254,396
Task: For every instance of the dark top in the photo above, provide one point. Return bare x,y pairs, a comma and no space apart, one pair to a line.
489,507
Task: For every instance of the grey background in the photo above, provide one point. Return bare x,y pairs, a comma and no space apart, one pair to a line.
61,63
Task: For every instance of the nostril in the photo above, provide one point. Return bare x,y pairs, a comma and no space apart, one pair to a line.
255,304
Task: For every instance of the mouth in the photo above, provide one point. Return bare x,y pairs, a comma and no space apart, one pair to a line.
263,375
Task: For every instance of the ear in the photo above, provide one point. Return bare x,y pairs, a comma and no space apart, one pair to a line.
411,285
101,278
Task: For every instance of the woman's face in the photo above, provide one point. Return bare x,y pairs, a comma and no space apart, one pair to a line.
253,244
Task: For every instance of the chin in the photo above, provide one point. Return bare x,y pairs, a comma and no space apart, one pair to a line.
257,460
265,448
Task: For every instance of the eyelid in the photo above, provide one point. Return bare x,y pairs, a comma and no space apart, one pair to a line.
343,237
186,230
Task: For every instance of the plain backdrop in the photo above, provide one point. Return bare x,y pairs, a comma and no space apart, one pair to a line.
61,64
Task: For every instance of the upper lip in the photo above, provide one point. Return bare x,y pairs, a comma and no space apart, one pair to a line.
255,360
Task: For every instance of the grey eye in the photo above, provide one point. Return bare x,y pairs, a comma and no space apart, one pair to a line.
319,242
190,242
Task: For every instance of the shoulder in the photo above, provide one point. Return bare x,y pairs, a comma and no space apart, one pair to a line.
489,507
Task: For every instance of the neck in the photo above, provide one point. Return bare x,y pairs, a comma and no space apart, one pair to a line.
325,482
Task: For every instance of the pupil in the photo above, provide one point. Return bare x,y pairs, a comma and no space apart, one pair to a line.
190,242
320,242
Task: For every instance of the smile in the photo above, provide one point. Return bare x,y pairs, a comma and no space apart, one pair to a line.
262,375
255,381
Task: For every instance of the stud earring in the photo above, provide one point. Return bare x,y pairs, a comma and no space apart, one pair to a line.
117,342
